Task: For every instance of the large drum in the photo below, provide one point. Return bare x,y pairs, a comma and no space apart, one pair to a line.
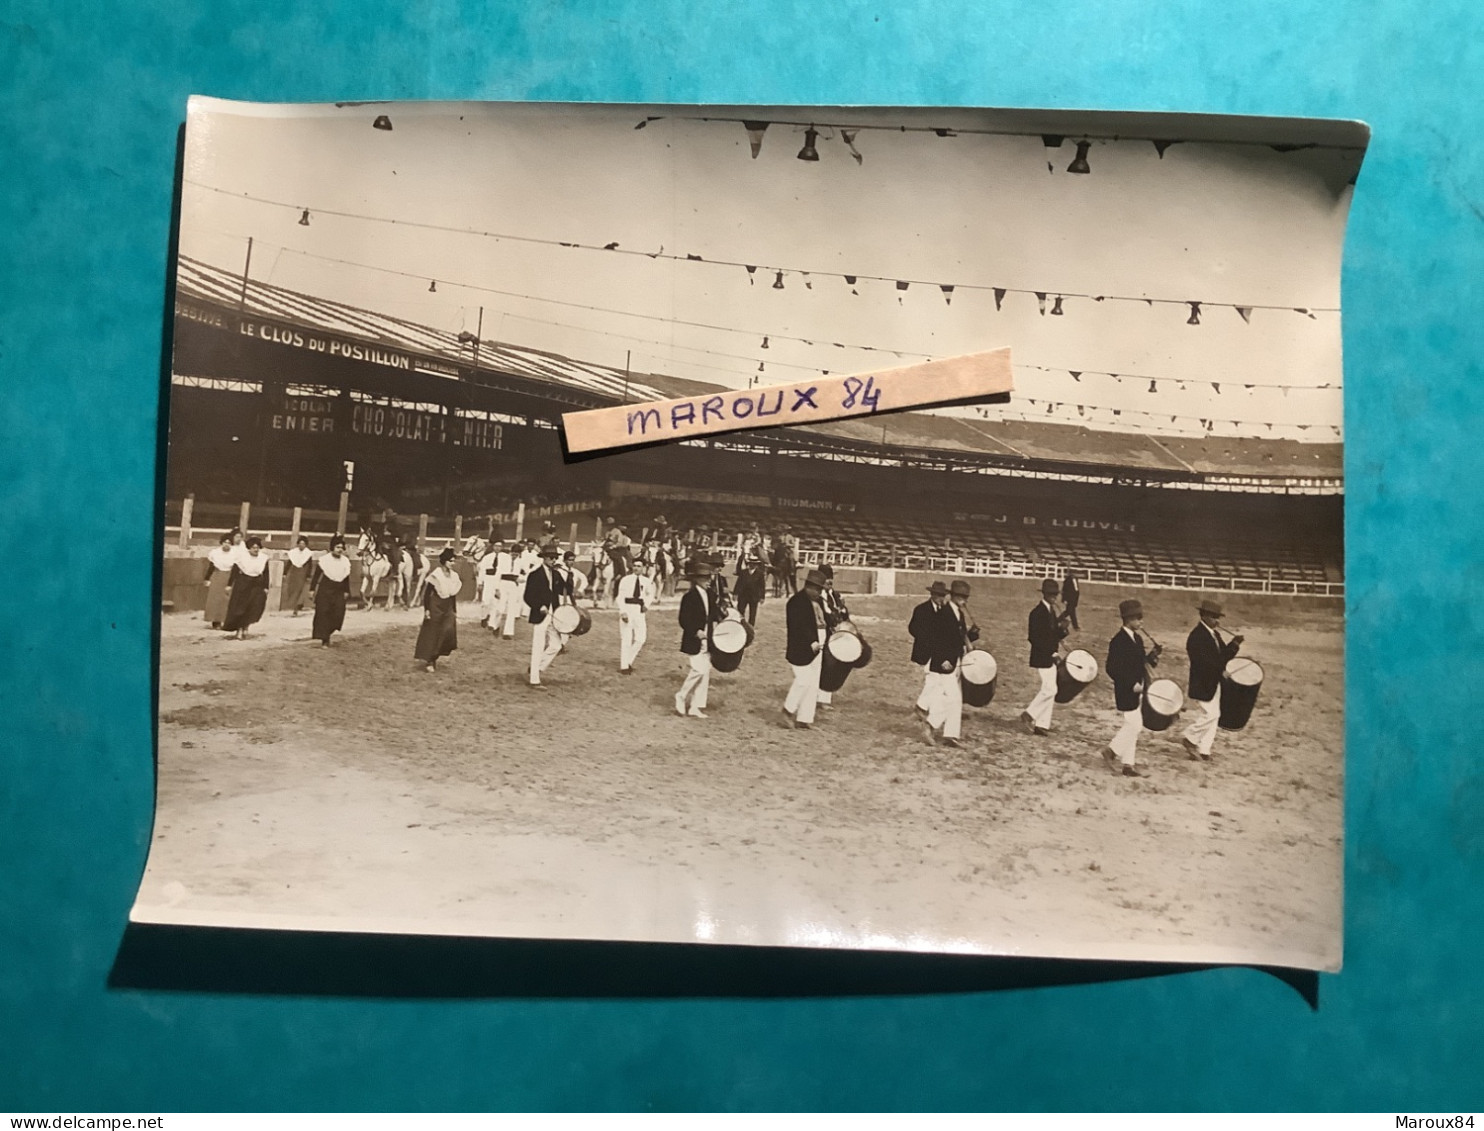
569,620
979,672
729,639
1162,703
1239,685
1074,674
845,646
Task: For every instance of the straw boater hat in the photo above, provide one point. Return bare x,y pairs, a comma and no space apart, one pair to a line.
938,589
1128,610
815,578
1209,607
960,589
1049,587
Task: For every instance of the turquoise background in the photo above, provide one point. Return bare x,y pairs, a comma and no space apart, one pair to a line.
94,94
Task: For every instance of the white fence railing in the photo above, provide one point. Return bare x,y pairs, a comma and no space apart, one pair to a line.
1016,567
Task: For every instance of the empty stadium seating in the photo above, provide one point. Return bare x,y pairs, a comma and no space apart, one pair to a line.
889,541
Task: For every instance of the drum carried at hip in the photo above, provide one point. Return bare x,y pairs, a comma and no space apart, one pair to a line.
729,639
844,650
1161,704
1074,673
569,620
1240,683
979,671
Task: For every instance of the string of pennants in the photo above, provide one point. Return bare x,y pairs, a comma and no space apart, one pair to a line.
848,133
766,339
1207,423
1050,302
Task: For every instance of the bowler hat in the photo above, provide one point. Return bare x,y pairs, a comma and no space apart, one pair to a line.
816,578
697,567
828,570
959,589
1130,609
550,551
938,589
1209,607
1049,587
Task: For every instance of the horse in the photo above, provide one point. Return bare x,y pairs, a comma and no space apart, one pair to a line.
604,579
784,569
374,567
415,568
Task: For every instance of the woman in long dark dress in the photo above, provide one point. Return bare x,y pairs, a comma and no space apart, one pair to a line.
439,634
249,581
219,565
295,576
331,587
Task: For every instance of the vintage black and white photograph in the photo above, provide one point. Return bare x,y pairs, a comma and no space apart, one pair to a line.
1055,674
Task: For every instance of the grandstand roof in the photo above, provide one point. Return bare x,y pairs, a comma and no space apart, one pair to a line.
1067,446
203,281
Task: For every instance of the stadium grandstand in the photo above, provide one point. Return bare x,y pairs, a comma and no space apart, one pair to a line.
282,400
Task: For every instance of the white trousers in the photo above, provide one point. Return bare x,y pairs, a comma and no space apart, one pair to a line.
826,697
925,696
697,682
1202,731
633,631
803,693
490,599
945,702
508,606
1127,738
1040,708
546,642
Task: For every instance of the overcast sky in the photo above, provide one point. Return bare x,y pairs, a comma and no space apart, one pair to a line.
1223,225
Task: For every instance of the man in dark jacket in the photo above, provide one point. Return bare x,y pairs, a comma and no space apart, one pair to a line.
1209,654
939,630
1071,596
546,588
804,615
1128,668
698,612
1045,629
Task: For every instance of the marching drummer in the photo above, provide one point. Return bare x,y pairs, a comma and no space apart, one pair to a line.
1209,654
635,595
1045,631
835,613
1128,668
546,586
939,628
698,611
487,577
807,632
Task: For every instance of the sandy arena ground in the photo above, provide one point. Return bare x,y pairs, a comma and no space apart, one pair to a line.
301,786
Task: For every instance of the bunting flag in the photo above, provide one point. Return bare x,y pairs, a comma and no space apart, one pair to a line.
1245,312
1041,302
999,297
848,137
765,342
1056,306
755,136
751,271
947,289
1076,374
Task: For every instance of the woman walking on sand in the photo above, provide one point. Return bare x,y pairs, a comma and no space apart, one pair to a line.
219,565
295,575
249,580
331,588
439,634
